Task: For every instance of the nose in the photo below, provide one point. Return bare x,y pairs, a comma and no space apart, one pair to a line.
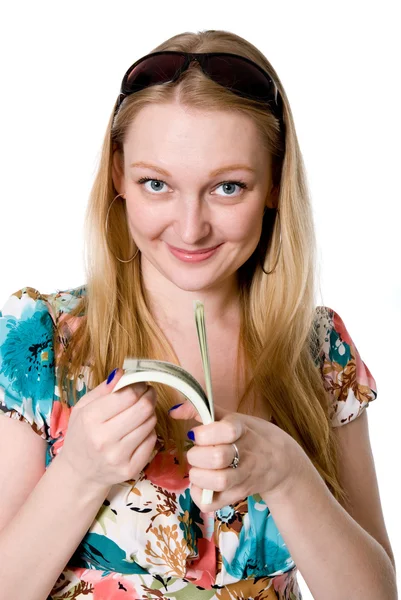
192,222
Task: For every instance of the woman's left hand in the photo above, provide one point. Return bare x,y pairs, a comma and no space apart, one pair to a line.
270,460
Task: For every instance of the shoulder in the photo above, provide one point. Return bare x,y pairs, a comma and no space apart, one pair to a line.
28,320
67,300
27,325
23,303
28,312
345,375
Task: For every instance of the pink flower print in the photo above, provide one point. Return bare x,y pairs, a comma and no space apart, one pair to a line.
59,420
280,583
163,471
110,587
202,570
339,326
363,376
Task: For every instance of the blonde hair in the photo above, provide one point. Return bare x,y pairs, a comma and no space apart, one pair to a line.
278,341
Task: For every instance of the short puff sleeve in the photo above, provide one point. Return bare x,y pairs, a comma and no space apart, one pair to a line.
27,359
345,376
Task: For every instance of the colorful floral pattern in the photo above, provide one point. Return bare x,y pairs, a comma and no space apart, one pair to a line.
149,539
345,375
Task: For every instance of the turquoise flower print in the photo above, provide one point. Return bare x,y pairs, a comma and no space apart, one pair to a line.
261,550
97,551
28,356
339,350
226,514
189,517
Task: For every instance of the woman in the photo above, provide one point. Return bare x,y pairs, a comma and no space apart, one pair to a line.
200,194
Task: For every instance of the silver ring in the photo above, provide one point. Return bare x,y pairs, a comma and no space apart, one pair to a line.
235,460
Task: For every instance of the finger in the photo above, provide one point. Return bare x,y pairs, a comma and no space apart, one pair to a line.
196,495
215,457
229,429
132,440
185,411
188,411
219,480
133,416
220,499
143,453
110,404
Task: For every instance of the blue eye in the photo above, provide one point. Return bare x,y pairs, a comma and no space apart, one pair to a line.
240,184
160,183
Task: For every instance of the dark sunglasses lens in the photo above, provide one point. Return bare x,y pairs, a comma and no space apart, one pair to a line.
240,76
158,69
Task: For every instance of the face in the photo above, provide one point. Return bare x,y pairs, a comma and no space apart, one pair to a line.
182,201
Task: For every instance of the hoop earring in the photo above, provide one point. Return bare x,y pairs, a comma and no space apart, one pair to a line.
107,220
279,250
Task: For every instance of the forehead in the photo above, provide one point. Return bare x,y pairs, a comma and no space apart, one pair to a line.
171,133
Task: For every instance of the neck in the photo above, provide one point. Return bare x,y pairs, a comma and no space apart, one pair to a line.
173,307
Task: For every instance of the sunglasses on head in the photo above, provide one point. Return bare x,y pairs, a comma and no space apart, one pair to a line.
238,74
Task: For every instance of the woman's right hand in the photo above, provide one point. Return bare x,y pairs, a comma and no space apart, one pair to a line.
110,436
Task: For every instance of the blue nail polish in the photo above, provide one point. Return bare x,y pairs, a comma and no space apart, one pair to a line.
110,377
175,406
191,435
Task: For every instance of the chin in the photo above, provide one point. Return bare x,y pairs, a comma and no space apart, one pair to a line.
191,286
196,282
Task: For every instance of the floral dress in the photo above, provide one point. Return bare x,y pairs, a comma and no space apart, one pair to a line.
149,539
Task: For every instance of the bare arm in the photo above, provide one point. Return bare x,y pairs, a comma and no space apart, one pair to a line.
52,522
335,555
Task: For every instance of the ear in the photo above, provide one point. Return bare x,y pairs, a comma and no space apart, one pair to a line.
272,197
117,171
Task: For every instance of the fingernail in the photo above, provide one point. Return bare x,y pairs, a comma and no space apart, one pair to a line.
110,377
191,435
175,406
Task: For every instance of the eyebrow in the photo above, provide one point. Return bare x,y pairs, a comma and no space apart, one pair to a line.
212,174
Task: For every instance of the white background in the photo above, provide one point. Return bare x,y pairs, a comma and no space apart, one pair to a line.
61,67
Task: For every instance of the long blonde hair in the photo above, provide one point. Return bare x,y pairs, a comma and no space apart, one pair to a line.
277,336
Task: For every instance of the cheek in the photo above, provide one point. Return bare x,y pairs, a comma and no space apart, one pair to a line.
144,223
237,226
244,227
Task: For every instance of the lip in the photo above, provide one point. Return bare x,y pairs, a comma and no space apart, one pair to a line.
183,251
194,256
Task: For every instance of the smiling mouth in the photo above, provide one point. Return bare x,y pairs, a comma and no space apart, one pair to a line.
202,251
